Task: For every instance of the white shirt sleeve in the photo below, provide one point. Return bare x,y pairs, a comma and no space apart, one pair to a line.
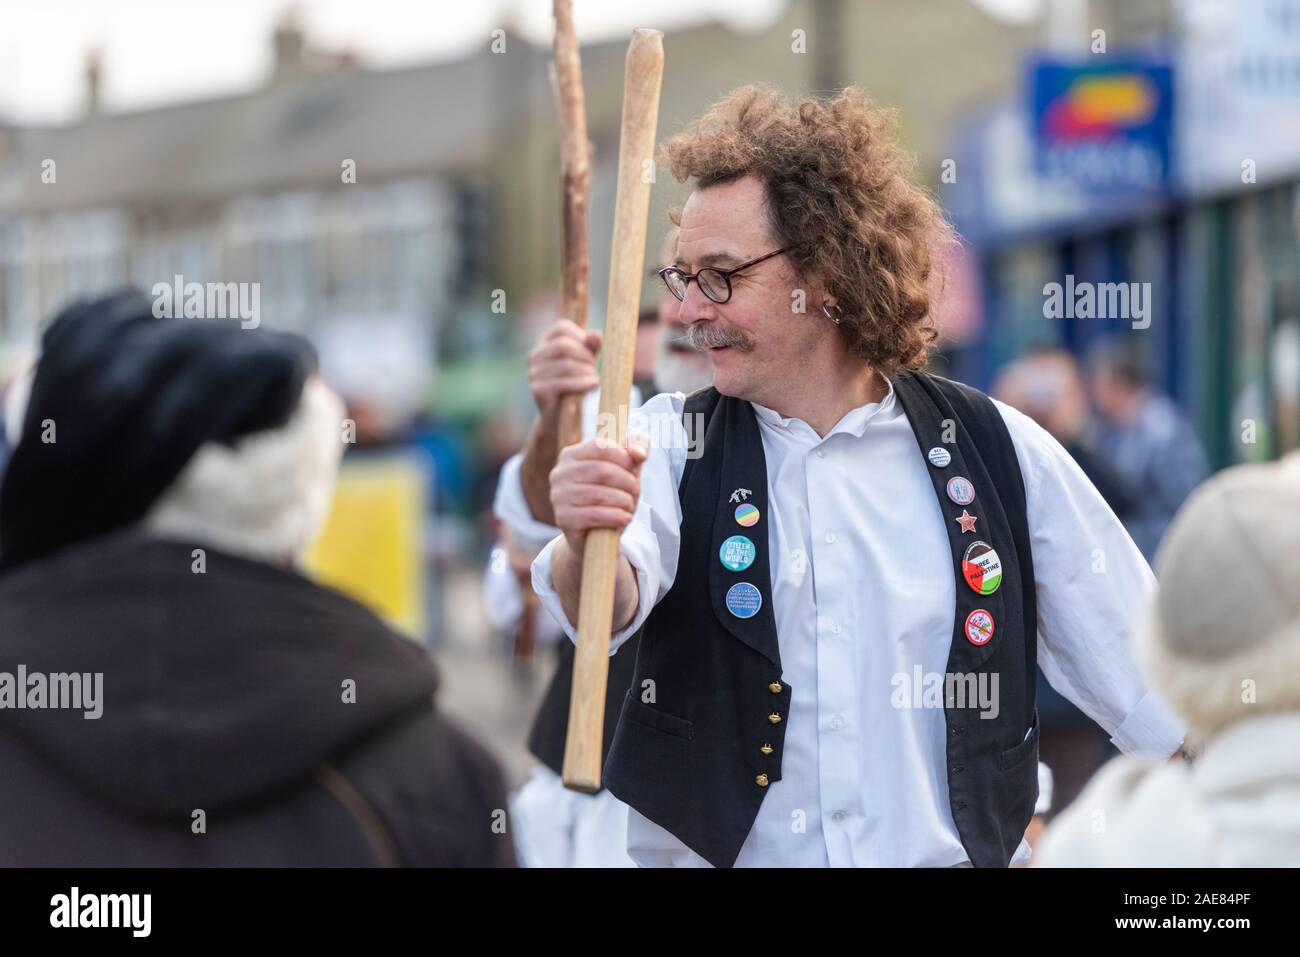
501,594
1094,592
503,597
511,507
510,504
651,540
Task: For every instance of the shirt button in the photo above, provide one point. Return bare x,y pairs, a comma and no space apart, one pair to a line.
836,723
838,816
830,538
820,453
836,629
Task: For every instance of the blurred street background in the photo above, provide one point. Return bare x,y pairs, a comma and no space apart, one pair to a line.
388,173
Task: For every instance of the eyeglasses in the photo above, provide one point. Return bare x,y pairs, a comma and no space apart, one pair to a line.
714,283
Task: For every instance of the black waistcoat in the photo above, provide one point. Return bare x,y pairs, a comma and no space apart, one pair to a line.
700,738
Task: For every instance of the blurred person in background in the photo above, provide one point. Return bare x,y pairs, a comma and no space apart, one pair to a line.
557,827
648,335
166,475
1047,386
677,366
1223,645
1144,438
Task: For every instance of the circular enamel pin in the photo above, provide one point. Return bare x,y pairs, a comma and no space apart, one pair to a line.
982,568
939,457
979,627
737,553
960,490
744,600
747,515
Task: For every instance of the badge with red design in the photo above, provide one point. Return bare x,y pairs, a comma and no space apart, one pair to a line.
979,627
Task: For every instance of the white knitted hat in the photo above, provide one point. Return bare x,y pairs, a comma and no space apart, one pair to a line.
267,496
1224,639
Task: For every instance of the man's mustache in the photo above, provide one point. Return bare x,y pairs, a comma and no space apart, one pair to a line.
703,336
678,341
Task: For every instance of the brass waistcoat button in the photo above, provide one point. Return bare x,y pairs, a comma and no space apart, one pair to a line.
761,780
774,687
774,718
766,749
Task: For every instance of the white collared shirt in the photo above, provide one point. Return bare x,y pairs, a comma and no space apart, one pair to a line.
863,595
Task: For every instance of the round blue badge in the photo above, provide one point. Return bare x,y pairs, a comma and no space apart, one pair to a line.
737,553
744,600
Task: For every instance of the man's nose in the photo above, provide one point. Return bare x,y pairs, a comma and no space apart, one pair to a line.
696,307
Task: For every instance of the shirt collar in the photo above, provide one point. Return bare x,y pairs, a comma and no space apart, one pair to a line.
854,421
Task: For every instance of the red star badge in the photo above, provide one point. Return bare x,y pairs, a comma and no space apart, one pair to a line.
966,520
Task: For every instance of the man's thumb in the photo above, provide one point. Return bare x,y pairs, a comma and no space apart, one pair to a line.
638,446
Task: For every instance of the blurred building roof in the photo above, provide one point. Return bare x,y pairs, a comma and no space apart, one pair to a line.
296,130
491,118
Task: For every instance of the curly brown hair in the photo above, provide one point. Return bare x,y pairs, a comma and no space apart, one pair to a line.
840,199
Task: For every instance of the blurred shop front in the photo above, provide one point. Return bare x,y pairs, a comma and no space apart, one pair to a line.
1175,164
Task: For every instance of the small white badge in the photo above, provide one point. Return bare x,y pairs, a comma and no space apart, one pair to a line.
939,457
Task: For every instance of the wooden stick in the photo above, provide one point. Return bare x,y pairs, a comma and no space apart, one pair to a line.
642,78
576,180
526,629
575,184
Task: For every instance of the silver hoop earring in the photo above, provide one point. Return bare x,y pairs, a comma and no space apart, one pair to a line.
839,313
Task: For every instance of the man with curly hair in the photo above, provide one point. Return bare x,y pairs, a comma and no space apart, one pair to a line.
842,590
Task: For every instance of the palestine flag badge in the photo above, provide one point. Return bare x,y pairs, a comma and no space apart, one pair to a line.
982,568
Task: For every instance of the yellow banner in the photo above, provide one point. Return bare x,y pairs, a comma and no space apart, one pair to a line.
371,547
